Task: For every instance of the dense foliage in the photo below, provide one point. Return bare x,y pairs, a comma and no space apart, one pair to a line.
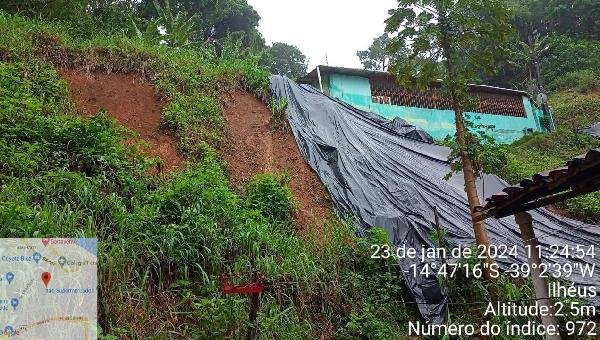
376,57
165,240
286,60
571,29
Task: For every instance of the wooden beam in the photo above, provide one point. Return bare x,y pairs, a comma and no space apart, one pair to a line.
584,189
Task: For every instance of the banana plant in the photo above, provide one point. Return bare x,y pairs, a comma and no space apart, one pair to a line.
151,35
524,55
174,30
178,28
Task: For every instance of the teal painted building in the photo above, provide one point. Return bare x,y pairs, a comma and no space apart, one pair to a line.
512,113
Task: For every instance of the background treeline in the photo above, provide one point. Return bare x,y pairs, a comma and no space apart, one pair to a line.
563,34
571,29
199,21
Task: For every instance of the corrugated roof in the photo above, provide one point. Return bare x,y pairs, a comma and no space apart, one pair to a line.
579,176
312,76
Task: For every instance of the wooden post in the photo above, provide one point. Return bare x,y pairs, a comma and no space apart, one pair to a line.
319,76
254,307
540,284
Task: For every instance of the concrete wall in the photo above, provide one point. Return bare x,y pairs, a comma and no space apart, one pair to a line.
356,90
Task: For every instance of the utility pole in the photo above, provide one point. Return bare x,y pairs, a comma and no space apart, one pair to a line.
541,96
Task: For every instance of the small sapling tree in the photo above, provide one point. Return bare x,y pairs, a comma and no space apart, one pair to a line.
446,40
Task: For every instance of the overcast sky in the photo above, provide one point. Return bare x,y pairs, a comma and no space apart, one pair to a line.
337,28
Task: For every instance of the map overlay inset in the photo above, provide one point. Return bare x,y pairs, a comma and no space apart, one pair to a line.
48,288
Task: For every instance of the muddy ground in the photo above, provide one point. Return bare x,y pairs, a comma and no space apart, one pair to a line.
252,147
129,100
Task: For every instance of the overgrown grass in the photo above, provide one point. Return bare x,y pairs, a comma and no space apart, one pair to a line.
573,110
165,240
538,152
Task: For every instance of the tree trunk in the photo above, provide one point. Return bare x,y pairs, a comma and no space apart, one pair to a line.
481,236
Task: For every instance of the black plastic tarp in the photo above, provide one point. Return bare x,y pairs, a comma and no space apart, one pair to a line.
593,129
381,177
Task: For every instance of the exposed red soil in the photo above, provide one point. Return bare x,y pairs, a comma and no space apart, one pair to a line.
130,101
251,147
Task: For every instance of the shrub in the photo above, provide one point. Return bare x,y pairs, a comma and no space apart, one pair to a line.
573,110
279,114
569,54
582,81
185,110
269,194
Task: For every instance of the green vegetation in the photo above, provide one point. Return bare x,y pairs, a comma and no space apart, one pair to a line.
165,240
538,152
582,81
270,195
278,119
286,60
569,67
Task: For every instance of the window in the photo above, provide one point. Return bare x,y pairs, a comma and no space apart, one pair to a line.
385,91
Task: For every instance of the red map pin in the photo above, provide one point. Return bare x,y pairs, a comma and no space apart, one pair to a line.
46,278
45,241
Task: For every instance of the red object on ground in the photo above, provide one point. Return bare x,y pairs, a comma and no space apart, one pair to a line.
247,288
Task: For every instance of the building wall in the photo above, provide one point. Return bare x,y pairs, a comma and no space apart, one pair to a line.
356,90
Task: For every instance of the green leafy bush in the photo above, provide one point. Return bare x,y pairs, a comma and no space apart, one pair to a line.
569,54
573,110
487,156
269,194
585,208
582,81
279,117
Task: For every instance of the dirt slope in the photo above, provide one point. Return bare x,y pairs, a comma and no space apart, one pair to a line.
130,101
251,148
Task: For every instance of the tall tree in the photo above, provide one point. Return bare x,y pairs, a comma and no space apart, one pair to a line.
451,32
376,57
286,60
526,56
215,18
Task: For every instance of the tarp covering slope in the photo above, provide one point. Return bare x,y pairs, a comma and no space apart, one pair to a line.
593,129
383,178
